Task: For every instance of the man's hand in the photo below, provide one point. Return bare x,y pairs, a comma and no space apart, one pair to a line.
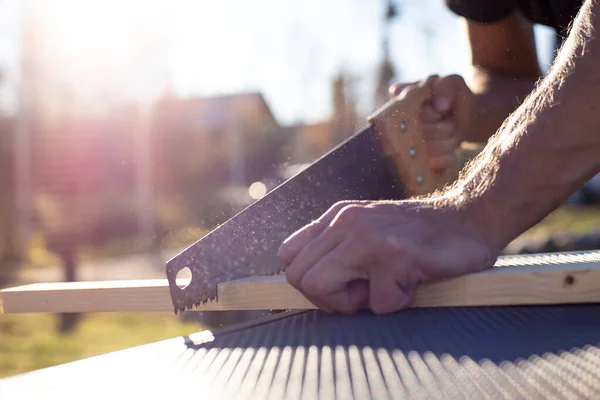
446,120
374,254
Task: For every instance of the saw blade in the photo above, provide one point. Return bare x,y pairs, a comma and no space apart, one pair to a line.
247,244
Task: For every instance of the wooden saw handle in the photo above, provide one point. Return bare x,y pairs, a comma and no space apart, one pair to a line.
398,123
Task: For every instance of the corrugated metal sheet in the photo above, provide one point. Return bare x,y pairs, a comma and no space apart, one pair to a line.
494,352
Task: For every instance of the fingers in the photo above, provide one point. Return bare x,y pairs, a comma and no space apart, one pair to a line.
298,240
318,247
347,266
336,281
343,281
301,238
310,254
441,142
440,138
444,92
440,164
453,98
303,249
440,128
449,95
397,88
429,114
386,295
347,298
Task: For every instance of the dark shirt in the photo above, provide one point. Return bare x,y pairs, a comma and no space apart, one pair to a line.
553,13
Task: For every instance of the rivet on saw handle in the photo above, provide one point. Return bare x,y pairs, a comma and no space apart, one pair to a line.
398,123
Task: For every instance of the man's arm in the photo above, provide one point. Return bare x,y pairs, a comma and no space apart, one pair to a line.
472,108
373,253
548,148
504,71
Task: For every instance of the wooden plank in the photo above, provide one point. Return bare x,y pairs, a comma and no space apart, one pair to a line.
529,285
96,296
100,296
550,284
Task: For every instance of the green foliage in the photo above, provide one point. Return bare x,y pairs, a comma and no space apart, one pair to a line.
573,219
30,341
10,250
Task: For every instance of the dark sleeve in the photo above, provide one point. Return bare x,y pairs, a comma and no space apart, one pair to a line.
482,10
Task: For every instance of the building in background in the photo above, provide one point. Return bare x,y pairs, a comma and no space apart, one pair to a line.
207,151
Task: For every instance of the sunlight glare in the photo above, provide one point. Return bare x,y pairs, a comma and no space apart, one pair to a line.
99,48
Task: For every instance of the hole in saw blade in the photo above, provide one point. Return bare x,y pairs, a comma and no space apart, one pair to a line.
183,278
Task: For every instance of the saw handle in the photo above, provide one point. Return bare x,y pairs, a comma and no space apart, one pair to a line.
398,123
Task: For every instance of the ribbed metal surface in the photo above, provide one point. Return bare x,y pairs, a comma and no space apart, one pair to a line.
498,352
564,260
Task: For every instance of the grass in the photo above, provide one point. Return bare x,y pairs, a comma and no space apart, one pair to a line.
30,341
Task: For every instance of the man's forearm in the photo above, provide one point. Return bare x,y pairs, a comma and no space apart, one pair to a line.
547,149
497,96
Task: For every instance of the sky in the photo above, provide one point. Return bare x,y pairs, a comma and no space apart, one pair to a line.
289,50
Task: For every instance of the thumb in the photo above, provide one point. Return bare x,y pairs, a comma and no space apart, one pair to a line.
453,98
386,295
443,94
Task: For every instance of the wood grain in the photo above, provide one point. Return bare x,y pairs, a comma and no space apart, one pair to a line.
499,286
523,285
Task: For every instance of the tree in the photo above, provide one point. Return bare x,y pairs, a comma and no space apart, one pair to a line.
11,252
386,71
344,119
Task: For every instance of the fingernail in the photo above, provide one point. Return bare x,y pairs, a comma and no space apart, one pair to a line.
442,104
281,251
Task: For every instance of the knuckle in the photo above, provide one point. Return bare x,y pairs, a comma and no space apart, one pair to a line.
455,79
339,207
312,229
330,213
402,89
409,92
349,215
395,89
452,85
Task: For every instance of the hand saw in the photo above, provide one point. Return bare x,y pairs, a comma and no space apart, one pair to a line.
385,160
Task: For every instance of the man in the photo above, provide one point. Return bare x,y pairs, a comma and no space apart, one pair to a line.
374,254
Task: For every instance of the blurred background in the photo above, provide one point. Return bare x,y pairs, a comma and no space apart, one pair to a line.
128,129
